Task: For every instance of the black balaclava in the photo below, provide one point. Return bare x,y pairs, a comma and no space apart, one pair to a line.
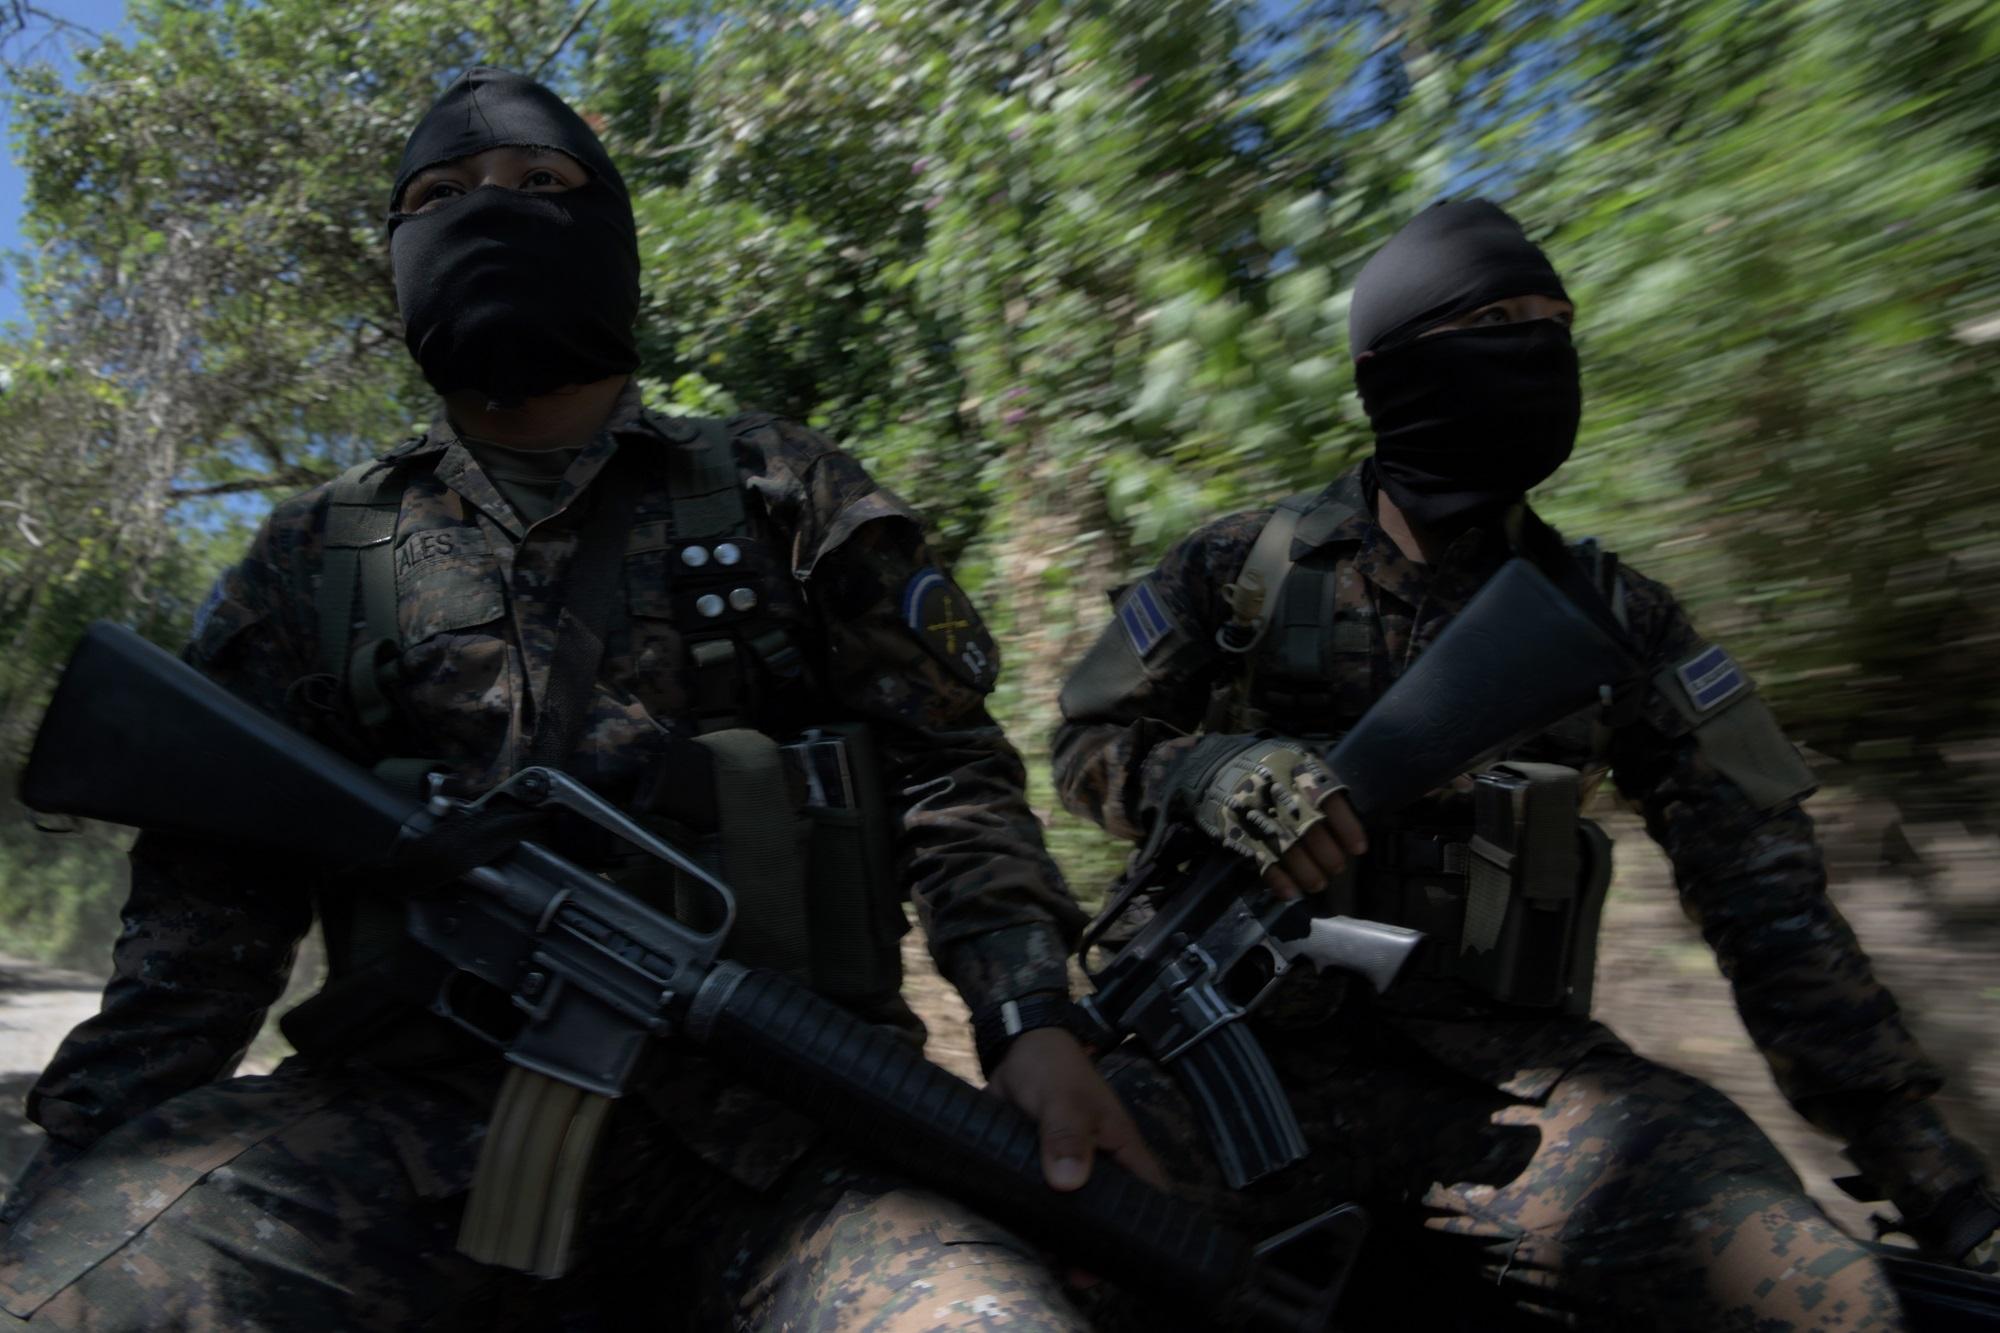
504,291
1465,421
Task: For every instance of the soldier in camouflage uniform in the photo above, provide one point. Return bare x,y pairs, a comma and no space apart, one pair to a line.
1520,1150
764,579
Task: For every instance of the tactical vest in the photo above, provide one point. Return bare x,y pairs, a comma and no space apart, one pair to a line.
800,828
715,569
1507,881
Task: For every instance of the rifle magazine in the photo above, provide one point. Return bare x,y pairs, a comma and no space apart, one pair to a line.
533,1168
1244,1112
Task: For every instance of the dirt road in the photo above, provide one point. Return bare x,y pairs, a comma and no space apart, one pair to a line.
1935,940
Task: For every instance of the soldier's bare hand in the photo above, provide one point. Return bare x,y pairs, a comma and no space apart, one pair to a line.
1048,1074
1322,854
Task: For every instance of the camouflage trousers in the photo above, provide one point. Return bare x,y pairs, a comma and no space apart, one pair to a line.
317,1201
1622,1195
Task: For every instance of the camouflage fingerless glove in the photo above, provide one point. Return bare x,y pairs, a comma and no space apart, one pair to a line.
1256,796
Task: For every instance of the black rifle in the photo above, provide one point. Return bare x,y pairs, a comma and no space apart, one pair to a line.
135,736
1522,656
1937,1298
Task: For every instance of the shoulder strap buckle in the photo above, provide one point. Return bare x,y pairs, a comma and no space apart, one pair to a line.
1255,591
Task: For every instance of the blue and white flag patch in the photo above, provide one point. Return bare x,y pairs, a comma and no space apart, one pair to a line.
1711,678
1145,620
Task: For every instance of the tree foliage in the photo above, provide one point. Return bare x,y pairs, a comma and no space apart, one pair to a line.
1073,277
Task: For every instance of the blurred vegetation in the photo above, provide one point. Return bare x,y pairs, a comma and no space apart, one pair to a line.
1072,276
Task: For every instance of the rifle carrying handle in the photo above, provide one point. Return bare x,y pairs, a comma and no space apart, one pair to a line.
871,1086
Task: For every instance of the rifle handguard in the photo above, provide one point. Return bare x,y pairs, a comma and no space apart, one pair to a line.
1261,800
943,1132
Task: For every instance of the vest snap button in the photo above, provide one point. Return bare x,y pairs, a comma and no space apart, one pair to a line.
694,557
709,605
743,598
728,553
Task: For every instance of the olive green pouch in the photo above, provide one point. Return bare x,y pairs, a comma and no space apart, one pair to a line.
853,893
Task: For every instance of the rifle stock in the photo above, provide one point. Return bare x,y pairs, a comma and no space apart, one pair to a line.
1521,657
124,738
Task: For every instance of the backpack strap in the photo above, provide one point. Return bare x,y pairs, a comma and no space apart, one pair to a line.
589,595
360,561
1605,574
1254,594
358,572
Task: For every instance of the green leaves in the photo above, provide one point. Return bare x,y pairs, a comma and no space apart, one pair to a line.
1074,278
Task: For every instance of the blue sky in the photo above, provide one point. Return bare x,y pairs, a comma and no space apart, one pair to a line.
100,16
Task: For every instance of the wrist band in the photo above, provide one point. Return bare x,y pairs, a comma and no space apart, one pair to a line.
995,1027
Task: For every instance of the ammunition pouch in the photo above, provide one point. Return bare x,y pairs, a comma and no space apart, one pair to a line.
1511,905
800,830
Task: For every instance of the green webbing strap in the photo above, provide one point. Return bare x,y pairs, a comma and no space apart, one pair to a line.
1304,621
706,495
1488,890
705,505
1261,581
360,567
360,558
368,669
590,595
1602,568
716,695
760,852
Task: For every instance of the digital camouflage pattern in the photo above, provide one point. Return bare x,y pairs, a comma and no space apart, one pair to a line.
313,1200
1753,879
1622,1195
210,935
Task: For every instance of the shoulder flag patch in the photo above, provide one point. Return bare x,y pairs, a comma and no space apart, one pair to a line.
1711,678
1145,620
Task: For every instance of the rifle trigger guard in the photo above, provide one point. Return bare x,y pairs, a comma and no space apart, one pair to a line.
1280,965
1194,970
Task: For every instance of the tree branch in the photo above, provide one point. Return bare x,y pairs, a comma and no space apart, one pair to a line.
562,41
266,446
298,476
16,16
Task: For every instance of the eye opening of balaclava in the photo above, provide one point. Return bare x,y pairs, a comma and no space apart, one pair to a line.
508,292
397,213
1466,421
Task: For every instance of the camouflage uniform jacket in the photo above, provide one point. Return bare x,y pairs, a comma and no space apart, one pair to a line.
1753,879
209,936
